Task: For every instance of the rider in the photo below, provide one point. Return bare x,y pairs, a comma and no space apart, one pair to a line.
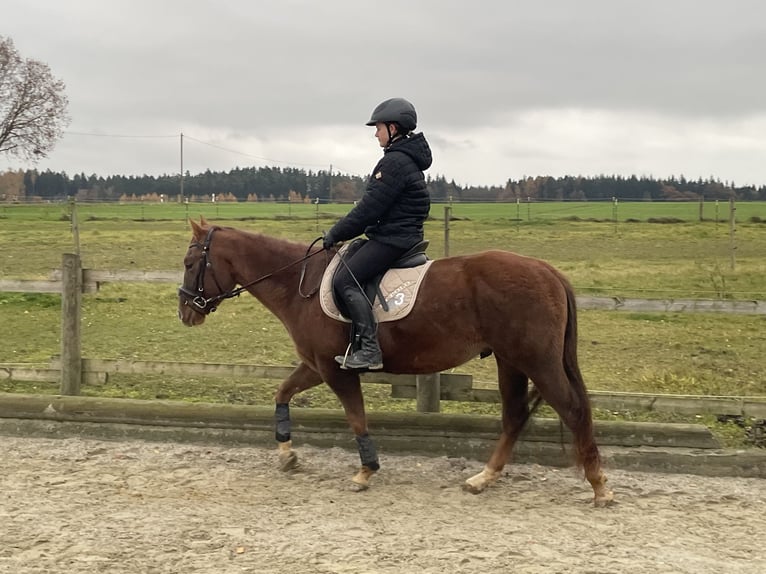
391,214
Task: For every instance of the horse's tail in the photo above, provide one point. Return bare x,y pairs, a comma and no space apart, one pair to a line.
581,408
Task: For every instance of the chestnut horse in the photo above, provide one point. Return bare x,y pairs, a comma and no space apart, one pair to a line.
518,308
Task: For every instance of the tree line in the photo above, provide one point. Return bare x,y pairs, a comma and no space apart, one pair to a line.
299,185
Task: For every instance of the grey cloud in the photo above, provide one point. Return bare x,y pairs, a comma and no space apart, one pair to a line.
295,69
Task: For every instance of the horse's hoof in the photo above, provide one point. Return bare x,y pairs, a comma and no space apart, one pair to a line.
356,487
361,480
288,460
603,500
473,488
602,496
478,483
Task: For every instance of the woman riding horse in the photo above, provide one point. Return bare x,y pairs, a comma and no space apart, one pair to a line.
391,214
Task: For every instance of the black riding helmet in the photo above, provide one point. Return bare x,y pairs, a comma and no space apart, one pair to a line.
395,110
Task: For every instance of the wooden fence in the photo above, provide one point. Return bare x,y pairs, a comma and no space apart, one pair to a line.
72,369
451,386
93,278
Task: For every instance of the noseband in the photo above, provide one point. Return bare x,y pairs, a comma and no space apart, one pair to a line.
198,301
205,305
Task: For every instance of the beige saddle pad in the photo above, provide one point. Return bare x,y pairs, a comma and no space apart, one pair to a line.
399,288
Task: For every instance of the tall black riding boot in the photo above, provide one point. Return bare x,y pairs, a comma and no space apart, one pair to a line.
368,355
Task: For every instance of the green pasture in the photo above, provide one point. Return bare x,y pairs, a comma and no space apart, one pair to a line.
672,353
523,212
628,258
605,211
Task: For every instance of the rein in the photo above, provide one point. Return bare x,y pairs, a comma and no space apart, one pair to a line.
206,305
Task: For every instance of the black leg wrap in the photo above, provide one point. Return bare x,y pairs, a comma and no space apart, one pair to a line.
367,452
282,415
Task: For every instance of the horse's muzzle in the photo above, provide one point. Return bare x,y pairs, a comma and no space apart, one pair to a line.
189,313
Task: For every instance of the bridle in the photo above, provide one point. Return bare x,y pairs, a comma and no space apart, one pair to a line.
196,299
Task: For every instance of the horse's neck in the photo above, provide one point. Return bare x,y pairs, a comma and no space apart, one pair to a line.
260,255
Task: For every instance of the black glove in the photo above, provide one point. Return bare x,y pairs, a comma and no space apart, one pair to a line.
328,241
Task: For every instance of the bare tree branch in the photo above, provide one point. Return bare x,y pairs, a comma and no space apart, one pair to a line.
33,105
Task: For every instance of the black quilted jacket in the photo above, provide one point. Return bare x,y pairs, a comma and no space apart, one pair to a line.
396,202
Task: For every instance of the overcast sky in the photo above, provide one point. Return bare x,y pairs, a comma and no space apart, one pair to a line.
503,88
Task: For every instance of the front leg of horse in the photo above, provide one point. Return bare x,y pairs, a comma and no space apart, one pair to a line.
369,459
300,379
348,389
287,457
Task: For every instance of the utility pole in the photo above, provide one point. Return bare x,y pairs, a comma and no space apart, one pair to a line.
329,200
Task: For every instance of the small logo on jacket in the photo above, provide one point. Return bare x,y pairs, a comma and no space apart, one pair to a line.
379,175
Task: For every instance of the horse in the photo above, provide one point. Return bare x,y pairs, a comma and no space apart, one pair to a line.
519,309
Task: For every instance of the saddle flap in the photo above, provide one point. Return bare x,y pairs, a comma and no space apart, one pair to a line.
393,294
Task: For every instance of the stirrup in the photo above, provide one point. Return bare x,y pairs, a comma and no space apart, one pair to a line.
341,359
362,366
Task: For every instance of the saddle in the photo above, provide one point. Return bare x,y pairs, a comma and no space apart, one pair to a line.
391,293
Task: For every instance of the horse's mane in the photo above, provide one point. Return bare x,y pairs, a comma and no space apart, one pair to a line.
261,238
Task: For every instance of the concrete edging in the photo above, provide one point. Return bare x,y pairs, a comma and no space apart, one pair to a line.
651,447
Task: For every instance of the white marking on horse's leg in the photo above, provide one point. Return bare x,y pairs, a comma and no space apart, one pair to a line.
602,496
361,479
479,482
287,457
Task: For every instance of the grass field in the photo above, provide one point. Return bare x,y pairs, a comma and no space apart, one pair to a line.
524,212
673,353
630,259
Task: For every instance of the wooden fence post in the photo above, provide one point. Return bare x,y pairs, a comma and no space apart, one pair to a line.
716,214
71,303
732,231
428,392
447,217
76,224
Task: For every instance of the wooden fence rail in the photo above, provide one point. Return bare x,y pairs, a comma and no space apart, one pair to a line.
93,278
451,387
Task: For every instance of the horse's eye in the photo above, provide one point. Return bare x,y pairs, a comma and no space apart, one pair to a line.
188,266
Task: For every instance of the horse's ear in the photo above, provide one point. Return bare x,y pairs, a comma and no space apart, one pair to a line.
203,222
197,230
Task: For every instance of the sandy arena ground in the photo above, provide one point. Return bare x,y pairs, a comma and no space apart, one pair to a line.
75,506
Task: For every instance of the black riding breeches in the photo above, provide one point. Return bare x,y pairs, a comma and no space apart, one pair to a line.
370,260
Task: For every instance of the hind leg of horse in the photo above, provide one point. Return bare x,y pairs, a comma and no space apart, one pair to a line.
513,392
348,389
300,379
577,416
